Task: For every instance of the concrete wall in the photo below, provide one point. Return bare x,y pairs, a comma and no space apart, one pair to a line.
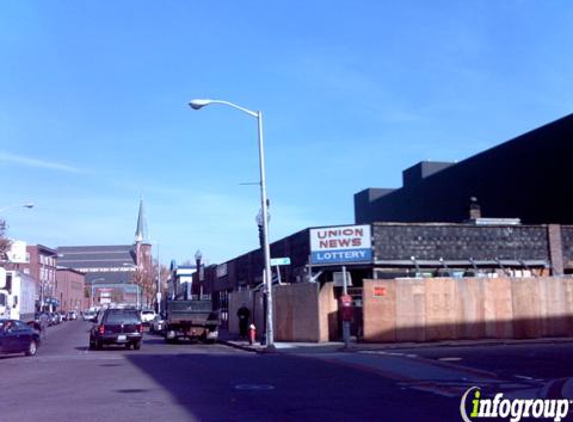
468,308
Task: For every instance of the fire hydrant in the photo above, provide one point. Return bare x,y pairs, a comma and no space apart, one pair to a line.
252,333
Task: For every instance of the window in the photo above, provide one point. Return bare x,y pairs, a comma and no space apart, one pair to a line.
122,317
19,325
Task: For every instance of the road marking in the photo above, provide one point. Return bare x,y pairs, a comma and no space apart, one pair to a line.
450,359
523,377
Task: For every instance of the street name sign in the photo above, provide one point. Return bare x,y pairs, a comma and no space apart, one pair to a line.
280,261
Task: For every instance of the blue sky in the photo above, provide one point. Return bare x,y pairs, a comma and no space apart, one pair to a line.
93,108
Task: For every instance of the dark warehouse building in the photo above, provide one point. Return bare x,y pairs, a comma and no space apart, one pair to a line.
526,178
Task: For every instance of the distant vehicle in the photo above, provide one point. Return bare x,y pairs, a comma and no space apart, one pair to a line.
157,325
117,326
17,337
147,316
90,315
192,319
72,315
17,296
54,319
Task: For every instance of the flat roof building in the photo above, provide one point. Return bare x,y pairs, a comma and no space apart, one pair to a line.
526,178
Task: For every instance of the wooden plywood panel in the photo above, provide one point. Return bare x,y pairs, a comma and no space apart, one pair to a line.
296,312
470,308
328,313
236,300
553,301
498,308
410,310
379,310
440,308
568,288
526,307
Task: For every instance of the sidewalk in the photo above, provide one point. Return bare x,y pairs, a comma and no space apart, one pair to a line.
235,341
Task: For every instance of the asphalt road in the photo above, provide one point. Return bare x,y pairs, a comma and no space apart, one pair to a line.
196,382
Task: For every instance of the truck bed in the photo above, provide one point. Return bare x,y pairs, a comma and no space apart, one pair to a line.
196,312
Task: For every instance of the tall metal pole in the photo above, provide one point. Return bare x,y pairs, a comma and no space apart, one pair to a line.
266,248
158,293
345,324
200,103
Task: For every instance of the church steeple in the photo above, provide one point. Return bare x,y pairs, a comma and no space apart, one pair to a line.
141,229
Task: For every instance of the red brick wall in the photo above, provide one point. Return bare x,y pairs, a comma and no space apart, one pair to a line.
70,290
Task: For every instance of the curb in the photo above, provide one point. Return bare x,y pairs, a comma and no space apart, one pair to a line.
235,345
458,343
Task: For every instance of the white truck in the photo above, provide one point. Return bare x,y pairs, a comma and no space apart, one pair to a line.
17,296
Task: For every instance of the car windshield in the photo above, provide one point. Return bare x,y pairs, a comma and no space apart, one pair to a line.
147,312
121,318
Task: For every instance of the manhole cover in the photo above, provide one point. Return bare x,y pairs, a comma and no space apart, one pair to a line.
254,387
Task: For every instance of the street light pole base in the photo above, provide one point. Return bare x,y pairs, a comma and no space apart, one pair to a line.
269,348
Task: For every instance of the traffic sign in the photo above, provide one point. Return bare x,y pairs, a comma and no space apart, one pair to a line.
280,261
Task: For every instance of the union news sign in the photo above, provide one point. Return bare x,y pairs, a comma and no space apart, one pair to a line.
341,245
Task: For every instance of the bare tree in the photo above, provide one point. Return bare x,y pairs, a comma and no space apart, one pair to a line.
5,243
146,280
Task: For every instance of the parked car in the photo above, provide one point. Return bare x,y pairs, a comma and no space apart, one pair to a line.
17,337
147,317
54,320
117,326
71,315
157,325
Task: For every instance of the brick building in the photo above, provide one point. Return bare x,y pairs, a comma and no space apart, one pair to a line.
109,269
42,266
70,289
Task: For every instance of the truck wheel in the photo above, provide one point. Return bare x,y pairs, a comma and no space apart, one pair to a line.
32,348
137,345
92,344
99,345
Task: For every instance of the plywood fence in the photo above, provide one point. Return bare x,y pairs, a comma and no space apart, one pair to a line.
432,309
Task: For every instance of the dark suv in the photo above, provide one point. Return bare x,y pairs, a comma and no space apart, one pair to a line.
117,326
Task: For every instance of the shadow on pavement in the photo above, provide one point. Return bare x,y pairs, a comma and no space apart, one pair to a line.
250,387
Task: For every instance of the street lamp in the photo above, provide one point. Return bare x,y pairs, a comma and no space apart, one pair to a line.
198,104
27,205
198,258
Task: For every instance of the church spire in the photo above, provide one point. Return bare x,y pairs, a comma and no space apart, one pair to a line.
141,229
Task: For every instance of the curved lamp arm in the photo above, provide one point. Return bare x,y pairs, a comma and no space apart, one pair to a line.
199,104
